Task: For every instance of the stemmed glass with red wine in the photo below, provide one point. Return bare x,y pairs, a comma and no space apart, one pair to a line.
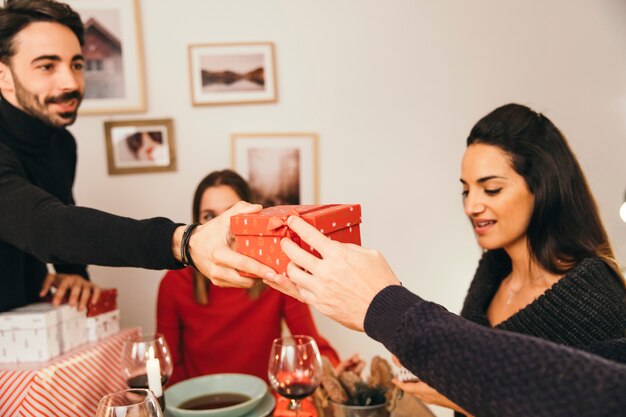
141,353
295,368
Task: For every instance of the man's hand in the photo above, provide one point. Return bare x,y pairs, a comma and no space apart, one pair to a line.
342,284
78,289
212,252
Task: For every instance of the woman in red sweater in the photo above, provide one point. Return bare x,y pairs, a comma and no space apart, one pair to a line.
210,329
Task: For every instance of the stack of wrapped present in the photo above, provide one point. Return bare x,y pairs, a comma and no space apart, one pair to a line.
40,332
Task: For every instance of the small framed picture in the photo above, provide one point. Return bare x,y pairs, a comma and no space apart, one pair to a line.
137,146
113,52
232,73
281,168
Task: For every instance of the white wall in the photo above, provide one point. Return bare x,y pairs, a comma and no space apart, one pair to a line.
393,89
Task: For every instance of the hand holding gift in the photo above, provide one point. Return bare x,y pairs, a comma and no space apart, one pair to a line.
210,249
342,284
258,234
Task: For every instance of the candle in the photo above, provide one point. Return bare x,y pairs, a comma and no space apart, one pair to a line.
153,370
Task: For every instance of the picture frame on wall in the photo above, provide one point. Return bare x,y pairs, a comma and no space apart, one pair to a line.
140,146
113,53
232,73
281,168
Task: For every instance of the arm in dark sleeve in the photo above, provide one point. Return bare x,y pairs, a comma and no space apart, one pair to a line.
614,350
492,372
72,269
38,223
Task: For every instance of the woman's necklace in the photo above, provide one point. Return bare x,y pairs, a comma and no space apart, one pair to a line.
512,292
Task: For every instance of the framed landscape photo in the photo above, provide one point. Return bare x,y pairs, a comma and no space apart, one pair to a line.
232,73
137,146
281,168
113,52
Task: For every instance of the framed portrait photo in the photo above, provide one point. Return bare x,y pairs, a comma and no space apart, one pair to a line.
137,146
281,168
232,73
113,52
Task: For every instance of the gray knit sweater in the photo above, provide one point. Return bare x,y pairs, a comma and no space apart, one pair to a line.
585,309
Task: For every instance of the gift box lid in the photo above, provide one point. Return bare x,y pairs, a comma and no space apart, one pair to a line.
271,221
32,316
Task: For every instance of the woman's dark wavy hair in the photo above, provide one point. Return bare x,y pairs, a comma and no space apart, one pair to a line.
565,226
17,14
242,189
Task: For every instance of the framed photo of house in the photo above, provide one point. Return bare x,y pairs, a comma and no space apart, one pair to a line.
113,52
138,146
281,168
232,73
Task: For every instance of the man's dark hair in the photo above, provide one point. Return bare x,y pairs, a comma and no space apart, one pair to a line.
17,14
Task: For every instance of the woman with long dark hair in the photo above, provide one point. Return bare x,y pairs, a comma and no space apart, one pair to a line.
548,269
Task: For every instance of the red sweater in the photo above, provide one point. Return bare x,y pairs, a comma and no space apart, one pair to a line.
232,333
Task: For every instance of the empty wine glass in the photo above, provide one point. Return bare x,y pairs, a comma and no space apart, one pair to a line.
145,355
295,368
129,403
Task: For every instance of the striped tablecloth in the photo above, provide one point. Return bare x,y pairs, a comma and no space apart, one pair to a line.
70,385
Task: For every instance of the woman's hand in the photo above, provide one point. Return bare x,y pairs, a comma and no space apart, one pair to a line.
78,288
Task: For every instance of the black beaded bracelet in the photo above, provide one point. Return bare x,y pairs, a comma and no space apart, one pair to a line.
185,256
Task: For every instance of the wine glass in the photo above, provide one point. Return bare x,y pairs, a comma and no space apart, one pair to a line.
144,355
129,403
295,368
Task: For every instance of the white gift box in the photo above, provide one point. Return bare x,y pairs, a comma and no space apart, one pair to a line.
40,332
73,327
29,334
103,325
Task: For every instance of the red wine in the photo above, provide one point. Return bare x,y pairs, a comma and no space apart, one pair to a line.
141,381
213,401
296,391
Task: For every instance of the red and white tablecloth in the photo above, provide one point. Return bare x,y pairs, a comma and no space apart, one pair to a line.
70,385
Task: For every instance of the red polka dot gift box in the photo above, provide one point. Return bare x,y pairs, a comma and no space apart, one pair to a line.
258,235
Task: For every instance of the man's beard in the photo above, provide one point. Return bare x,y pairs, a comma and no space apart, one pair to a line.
32,105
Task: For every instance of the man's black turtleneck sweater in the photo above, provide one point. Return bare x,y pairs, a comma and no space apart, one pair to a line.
40,224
